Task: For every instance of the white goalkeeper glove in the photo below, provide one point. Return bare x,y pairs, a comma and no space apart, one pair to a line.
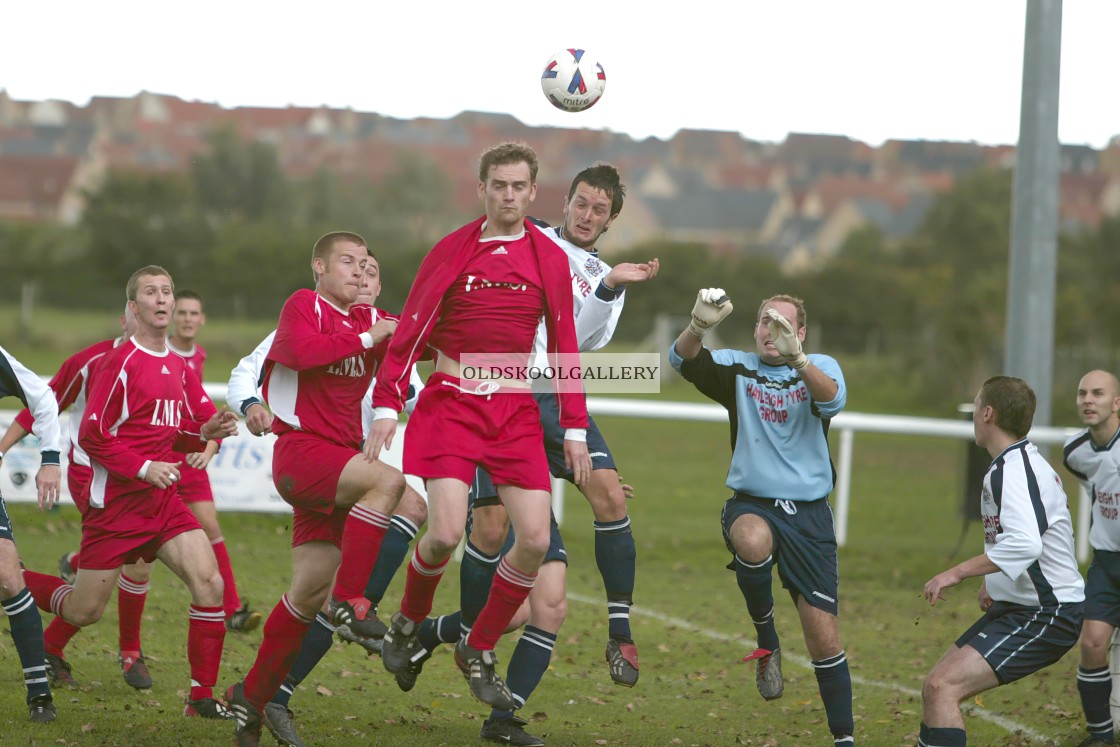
785,340
712,305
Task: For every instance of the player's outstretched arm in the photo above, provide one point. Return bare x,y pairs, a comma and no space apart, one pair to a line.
980,565
628,273
712,307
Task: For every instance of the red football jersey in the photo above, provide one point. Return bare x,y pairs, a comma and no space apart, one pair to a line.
495,305
143,406
318,368
195,359
71,387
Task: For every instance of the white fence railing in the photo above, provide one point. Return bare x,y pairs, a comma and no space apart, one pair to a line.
241,479
846,425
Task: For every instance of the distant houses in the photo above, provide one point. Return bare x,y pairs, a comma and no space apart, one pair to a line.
796,200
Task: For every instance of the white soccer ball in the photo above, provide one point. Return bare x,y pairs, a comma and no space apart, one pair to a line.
573,80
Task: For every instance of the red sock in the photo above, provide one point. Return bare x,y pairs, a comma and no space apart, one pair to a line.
206,635
510,588
361,541
131,596
57,635
283,637
49,591
420,585
230,601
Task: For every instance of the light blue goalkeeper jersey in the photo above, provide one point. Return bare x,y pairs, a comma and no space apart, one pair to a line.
779,435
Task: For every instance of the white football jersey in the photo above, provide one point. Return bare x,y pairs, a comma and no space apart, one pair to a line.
1098,469
596,313
1028,531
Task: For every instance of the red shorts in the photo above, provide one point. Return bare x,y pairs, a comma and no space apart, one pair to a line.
194,484
78,478
305,469
451,433
133,527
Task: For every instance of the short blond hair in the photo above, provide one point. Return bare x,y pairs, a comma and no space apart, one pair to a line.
505,154
133,286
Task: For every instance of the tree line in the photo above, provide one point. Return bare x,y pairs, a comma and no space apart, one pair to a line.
930,309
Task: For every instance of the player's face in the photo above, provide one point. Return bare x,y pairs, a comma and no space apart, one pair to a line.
154,302
371,283
586,216
340,274
188,317
506,195
1097,398
765,345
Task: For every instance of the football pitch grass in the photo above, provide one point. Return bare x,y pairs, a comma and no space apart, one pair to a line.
690,624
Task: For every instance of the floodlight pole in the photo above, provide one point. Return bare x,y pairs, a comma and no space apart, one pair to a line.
1029,344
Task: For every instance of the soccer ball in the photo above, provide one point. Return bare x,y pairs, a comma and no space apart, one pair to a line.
573,80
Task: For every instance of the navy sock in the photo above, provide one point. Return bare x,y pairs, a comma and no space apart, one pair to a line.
615,554
755,583
1095,687
527,665
315,646
835,684
27,634
437,630
394,547
476,574
929,736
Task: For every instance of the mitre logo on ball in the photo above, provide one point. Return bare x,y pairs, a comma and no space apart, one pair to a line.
573,80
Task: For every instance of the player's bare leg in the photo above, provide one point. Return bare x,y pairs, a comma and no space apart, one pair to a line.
239,617
132,595
754,563
961,673
190,557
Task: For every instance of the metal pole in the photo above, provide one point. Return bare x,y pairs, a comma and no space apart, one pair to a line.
1029,346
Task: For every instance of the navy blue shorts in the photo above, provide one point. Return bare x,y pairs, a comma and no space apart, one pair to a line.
556,551
601,457
5,522
1102,588
804,545
1017,641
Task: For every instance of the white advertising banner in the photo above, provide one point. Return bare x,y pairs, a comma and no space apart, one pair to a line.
240,473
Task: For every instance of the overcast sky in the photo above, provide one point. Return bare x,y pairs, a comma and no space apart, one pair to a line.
871,69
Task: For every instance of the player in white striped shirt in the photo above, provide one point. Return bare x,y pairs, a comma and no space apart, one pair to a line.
1093,456
19,607
1032,594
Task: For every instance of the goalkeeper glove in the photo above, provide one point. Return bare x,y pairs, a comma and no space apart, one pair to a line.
712,305
785,340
